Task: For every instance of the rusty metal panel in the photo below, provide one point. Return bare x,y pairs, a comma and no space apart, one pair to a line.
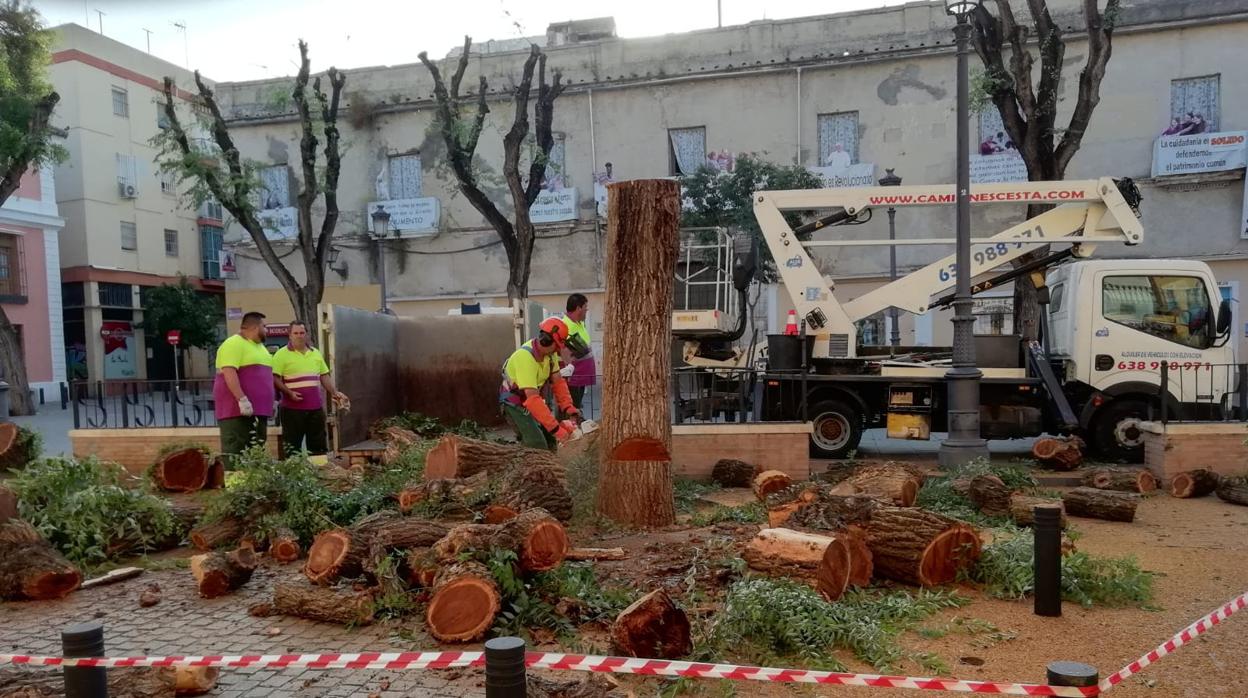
451,367
364,357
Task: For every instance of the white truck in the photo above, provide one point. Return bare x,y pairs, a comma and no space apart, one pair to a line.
1111,327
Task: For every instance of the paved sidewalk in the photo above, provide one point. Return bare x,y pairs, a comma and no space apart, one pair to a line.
54,424
183,623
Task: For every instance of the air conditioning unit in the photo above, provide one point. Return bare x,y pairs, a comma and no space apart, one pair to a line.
126,190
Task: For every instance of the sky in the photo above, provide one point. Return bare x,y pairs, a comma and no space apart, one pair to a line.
231,40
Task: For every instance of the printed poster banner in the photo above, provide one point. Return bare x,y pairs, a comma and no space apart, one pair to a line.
1200,152
118,339
281,223
410,217
226,259
997,169
860,174
554,206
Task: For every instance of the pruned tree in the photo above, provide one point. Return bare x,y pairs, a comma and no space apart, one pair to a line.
1027,99
217,170
180,307
461,125
26,105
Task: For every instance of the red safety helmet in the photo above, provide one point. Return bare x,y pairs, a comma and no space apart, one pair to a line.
552,331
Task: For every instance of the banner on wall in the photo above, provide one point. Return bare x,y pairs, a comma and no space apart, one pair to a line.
118,339
280,223
409,217
554,206
1200,152
998,168
861,174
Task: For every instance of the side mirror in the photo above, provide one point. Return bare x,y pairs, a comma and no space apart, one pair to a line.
745,261
1224,316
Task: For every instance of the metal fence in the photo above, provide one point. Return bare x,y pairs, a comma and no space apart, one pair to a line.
142,404
1207,392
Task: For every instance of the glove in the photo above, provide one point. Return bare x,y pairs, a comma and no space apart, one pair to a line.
244,406
574,415
565,430
567,371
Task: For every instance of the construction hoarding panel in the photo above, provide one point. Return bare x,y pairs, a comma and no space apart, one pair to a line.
365,364
451,367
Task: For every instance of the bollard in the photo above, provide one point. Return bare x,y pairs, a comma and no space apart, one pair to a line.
84,640
1048,560
1072,674
504,668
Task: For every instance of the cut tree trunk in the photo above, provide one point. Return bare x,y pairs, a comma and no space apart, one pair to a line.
186,511
217,574
536,486
216,473
823,560
643,243
186,470
340,605
990,495
195,680
919,547
421,567
457,457
463,603
861,561
653,627
576,554
539,541
400,534
1193,483
14,450
497,513
284,545
1122,479
30,568
8,504
733,473
1233,490
336,554
1058,454
769,482
212,535
1101,504
895,483
820,507
448,497
1021,509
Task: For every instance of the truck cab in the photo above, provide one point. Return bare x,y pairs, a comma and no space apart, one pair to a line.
1115,325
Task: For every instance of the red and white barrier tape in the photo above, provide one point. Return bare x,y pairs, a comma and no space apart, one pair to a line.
358,660
1181,638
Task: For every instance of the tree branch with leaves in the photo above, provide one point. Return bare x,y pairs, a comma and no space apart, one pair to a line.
461,119
216,170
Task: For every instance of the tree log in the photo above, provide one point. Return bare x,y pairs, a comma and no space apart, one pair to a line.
216,473
284,545
341,605
336,554
457,457
539,541
1058,454
463,604
861,561
824,561
652,627
818,506
895,483
186,511
195,680
536,486
1193,483
217,574
597,554
449,498
770,482
185,470
497,513
1233,490
1122,479
1101,504
643,243
30,568
8,504
214,534
733,473
400,534
990,495
421,567
919,547
1021,509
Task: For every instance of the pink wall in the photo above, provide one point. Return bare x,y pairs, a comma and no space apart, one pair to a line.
30,186
33,315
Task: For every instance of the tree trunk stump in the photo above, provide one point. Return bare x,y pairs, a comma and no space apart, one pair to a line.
539,541
214,534
1193,483
822,560
1233,490
30,568
1101,504
1021,509
1137,480
733,473
217,574
458,457
919,547
653,627
643,243
340,605
990,495
186,470
463,604
769,482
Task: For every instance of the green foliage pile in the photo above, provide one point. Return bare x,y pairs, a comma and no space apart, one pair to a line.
1007,571
558,600
751,513
938,495
427,427
768,620
91,511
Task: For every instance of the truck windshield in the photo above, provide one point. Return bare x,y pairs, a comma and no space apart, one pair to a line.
1174,308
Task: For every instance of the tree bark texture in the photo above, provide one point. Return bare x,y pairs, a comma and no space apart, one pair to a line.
463,604
460,457
1101,504
990,495
894,483
919,547
185,470
217,574
814,505
214,534
1058,454
14,450
336,554
284,545
643,229
733,473
1138,480
536,486
1021,509
538,539
1193,483
824,561
449,497
341,605
1233,490
30,568
769,482
8,504
652,627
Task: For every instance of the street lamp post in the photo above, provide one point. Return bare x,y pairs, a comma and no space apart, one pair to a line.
381,228
890,179
964,442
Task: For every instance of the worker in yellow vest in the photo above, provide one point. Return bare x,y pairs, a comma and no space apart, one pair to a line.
531,367
242,392
581,371
299,374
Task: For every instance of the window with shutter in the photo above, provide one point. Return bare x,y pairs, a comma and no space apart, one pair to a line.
129,236
687,149
405,176
121,102
1195,105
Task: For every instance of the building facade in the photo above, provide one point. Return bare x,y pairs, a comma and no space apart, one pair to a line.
127,227
30,279
849,94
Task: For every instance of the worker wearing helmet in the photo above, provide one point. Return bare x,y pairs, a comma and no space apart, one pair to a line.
531,367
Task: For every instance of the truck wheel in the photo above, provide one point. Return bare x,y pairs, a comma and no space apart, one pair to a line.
1117,432
837,429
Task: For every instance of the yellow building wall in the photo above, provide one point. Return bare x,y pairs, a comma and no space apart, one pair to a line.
276,307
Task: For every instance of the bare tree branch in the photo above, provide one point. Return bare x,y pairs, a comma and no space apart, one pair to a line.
1100,47
458,77
22,161
333,154
307,156
988,35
